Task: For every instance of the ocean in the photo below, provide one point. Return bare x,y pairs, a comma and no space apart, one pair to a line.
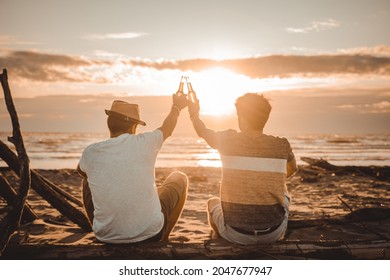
63,150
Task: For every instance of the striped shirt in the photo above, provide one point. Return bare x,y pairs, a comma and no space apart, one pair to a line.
253,187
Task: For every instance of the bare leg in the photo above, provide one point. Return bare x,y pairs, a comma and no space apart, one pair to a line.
173,194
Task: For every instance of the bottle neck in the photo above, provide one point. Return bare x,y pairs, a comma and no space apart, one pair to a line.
190,89
181,86
181,89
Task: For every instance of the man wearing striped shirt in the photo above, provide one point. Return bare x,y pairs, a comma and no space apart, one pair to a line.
254,202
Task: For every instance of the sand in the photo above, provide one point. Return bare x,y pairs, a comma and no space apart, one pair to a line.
317,195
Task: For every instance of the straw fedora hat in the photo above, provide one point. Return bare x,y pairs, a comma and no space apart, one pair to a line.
125,111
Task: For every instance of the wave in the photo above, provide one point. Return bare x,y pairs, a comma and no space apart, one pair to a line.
342,141
63,150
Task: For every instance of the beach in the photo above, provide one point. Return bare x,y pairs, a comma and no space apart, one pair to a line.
323,71
318,197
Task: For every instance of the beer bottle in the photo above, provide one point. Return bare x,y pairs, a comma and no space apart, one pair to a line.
191,93
180,91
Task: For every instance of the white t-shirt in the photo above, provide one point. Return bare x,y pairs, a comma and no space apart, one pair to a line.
121,177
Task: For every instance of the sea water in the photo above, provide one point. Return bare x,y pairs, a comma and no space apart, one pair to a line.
63,150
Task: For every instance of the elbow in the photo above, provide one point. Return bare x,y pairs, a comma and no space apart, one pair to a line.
167,134
291,171
199,133
292,168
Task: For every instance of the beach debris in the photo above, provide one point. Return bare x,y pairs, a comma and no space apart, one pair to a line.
378,172
19,163
363,224
10,196
320,163
65,194
41,186
11,221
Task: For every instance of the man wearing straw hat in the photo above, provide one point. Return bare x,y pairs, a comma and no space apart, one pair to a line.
119,191
254,203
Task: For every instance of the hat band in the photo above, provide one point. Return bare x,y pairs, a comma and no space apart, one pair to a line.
124,117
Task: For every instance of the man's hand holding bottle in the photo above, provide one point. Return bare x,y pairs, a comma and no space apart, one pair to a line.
179,99
193,104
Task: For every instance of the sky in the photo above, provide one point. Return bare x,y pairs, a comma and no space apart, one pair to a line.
332,54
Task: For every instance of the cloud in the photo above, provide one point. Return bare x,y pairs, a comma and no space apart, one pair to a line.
7,40
283,66
316,26
45,67
127,35
370,108
380,50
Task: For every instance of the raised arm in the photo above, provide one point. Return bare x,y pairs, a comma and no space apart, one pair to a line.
178,103
207,134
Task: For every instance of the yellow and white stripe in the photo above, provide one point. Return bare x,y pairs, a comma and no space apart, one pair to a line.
254,164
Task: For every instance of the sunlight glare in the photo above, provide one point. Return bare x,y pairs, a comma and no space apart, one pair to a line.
217,90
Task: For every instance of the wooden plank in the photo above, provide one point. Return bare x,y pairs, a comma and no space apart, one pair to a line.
217,249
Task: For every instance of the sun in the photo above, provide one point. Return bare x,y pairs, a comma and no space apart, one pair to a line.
217,90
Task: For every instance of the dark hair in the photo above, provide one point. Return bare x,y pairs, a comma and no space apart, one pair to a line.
117,125
254,108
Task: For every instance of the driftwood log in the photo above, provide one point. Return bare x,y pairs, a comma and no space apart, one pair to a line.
41,186
10,196
377,172
11,221
65,194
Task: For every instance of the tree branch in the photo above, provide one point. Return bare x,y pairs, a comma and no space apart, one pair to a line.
12,220
9,194
45,191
